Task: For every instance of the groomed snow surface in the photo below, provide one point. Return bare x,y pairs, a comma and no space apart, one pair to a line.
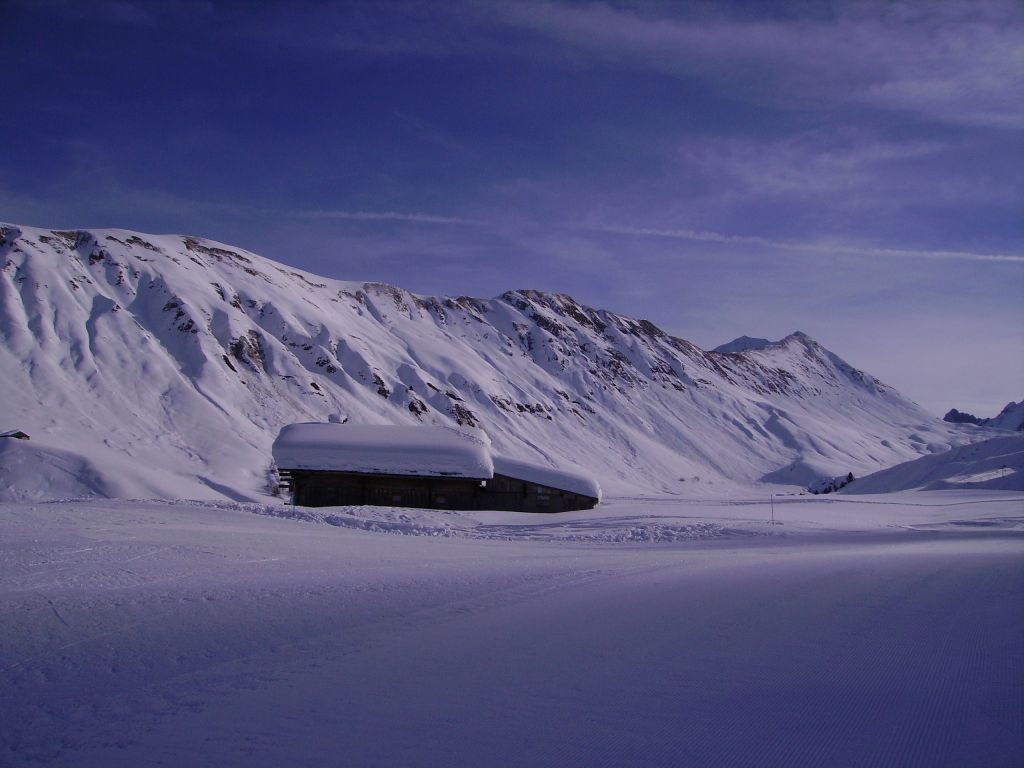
883,630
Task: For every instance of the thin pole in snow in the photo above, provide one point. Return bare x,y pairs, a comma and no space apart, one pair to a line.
773,508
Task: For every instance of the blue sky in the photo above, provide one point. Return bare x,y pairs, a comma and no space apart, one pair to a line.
850,170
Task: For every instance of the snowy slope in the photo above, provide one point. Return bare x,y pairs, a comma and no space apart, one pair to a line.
994,464
854,633
1011,417
165,365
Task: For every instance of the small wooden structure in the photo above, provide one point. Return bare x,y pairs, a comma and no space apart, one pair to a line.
426,467
17,434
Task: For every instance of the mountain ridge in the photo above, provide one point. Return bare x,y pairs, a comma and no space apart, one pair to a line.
169,362
1011,417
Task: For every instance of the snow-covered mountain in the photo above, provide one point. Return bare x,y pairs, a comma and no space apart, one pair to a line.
1011,418
163,366
742,344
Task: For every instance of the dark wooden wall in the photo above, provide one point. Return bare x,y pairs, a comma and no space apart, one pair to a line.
513,494
329,489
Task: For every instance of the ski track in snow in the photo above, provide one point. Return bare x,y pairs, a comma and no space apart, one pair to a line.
219,634
604,530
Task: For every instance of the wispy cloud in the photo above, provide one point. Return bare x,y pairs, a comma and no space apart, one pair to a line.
957,61
807,247
411,217
812,162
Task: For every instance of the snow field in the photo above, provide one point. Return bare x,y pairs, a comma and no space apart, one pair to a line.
881,632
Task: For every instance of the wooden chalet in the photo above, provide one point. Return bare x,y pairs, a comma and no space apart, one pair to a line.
426,467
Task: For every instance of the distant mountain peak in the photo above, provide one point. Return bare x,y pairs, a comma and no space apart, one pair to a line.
742,344
1011,418
754,344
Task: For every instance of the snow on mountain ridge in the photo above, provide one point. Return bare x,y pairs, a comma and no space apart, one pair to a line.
742,344
174,360
1010,418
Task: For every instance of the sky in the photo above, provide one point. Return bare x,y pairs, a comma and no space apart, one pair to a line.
851,170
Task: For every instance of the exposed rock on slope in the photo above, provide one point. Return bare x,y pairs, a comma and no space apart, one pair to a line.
1011,418
169,363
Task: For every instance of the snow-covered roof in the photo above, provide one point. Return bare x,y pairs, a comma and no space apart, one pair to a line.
383,449
415,451
573,482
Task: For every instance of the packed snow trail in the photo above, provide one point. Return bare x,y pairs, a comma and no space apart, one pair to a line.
137,634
